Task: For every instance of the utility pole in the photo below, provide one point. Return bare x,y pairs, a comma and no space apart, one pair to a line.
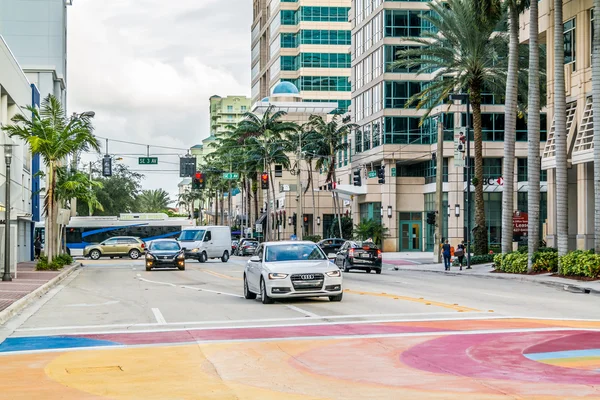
6,277
300,217
89,205
439,189
229,198
73,203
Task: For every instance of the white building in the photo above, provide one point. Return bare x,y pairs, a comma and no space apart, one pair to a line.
15,92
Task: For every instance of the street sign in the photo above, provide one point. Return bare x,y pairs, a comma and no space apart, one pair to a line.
148,160
231,175
459,147
258,228
520,222
372,174
393,171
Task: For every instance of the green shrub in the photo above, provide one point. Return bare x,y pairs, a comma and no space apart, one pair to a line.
64,259
44,265
498,261
581,263
483,259
514,263
545,261
312,238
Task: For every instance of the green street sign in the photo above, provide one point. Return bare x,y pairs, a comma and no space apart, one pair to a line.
231,175
148,160
393,172
372,174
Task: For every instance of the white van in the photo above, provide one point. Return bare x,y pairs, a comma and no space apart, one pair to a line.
204,242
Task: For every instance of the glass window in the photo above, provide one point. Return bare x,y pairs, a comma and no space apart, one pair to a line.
330,14
397,93
431,171
322,83
391,55
289,40
329,37
293,252
569,36
289,17
405,23
522,171
289,63
325,60
405,130
229,108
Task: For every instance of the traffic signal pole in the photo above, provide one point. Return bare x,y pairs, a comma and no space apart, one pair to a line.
300,218
439,190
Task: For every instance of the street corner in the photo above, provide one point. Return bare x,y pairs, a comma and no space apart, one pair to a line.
459,359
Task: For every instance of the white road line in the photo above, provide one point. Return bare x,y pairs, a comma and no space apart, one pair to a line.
498,295
93,305
302,311
212,291
158,283
159,317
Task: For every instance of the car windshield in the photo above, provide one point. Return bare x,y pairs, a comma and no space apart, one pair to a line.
251,244
293,252
192,234
165,246
367,245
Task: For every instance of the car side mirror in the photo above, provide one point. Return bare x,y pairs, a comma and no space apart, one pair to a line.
255,259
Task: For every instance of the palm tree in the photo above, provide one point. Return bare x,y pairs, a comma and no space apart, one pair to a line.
54,136
596,112
189,199
515,7
153,201
560,132
533,135
327,141
268,127
466,52
77,185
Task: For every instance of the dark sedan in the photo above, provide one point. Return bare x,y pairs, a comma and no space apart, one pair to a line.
365,256
165,253
247,248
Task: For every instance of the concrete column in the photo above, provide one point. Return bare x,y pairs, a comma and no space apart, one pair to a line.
572,211
551,238
456,195
585,206
388,198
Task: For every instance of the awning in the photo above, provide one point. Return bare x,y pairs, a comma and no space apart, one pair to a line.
261,219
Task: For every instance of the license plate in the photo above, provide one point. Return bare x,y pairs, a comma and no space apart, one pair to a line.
365,255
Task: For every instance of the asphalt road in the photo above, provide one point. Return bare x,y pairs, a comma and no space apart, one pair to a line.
117,302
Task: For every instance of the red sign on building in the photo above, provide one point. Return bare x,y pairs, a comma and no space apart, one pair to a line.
520,222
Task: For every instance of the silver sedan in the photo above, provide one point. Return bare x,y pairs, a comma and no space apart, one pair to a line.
291,269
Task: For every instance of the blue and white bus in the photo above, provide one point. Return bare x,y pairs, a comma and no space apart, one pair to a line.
83,231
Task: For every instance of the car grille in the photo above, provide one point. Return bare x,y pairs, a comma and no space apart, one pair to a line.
307,281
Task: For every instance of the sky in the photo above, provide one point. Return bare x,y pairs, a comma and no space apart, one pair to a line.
147,69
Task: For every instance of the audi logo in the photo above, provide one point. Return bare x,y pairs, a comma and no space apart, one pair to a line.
307,277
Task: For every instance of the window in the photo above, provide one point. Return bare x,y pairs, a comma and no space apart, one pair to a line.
322,83
397,93
342,104
591,33
325,60
431,171
229,108
329,37
522,171
405,130
493,127
278,171
330,14
289,63
391,55
492,169
405,23
289,40
493,216
569,35
358,141
244,109
289,17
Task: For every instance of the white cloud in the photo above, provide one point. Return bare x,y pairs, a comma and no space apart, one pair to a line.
148,67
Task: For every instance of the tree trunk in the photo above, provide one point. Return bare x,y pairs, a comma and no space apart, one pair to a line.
274,211
560,133
268,219
314,208
50,215
480,231
249,219
217,207
255,193
596,112
336,199
533,137
510,126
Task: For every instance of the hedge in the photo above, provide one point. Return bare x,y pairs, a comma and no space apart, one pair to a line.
544,260
581,263
56,264
483,259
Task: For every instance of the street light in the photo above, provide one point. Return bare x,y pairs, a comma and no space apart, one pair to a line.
390,213
318,220
8,158
457,210
464,97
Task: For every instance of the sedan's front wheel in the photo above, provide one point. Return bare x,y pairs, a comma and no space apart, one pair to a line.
264,297
248,295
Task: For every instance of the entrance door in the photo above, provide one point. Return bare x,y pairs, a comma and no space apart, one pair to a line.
410,236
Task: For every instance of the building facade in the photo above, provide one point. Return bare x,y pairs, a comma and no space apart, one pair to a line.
392,136
226,111
578,18
15,92
305,42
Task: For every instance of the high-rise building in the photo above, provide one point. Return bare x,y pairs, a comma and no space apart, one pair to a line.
393,136
305,42
226,111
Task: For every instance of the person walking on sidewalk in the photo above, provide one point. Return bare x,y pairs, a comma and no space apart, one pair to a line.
460,254
38,247
446,252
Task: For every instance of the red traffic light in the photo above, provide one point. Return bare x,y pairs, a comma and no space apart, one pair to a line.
198,175
265,176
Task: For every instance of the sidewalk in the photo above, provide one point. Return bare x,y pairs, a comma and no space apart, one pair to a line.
484,271
27,286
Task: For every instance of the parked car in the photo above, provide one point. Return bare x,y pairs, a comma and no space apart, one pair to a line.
291,269
234,245
117,246
165,253
204,242
248,247
241,243
332,245
364,256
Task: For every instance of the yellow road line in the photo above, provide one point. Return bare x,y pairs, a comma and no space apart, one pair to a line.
415,300
218,275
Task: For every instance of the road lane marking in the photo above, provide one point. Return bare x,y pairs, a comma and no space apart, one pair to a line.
212,291
415,300
255,321
106,303
158,283
218,275
302,311
159,317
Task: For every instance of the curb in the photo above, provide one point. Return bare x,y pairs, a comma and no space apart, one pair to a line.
25,301
565,286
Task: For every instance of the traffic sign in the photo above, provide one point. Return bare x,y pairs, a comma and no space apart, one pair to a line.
148,160
393,172
372,174
231,175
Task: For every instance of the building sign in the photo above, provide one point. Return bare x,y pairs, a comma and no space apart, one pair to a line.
520,222
460,147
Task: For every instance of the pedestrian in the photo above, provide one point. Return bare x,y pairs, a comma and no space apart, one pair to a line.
38,247
460,254
446,253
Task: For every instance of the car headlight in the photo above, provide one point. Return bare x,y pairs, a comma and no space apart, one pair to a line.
195,250
334,274
181,256
149,256
277,276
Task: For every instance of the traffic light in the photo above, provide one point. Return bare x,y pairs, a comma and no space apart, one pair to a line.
198,181
187,167
431,218
381,174
107,165
357,179
264,181
294,220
